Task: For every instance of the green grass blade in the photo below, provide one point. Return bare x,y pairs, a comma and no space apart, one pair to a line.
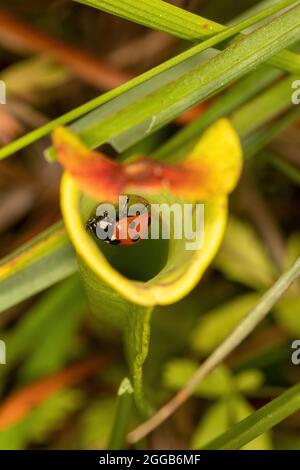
218,356
152,112
55,248
273,102
122,416
37,265
134,89
257,141
265,107
236,96
161,15
282,165
21,266
35,331
259,422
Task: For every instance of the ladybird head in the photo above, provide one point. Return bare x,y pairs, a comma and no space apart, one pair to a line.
102,227
120,228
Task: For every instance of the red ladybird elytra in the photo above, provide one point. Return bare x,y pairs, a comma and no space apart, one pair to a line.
115,228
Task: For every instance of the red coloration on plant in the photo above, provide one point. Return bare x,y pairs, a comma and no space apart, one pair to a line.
102,178
211,169
20,403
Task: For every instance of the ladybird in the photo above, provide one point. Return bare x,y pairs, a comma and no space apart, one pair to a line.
121,224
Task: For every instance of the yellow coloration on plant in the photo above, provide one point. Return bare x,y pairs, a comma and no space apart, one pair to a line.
220,152
183,268
212,169
33,253
62,135
166,288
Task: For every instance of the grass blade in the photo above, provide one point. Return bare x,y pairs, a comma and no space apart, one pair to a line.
236,96
159,15
187,59
37,265
244,328
184,24
272,102
257,141
259,422
58,251
283,165
152,112
123,411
